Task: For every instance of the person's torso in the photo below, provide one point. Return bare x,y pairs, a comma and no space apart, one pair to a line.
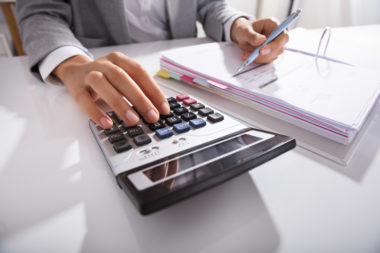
103,23
147,20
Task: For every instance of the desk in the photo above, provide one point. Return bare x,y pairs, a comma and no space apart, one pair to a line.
57,193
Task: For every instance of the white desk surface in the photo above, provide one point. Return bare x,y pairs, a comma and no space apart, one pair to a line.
57,193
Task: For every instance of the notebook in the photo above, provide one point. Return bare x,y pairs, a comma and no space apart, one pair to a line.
323,96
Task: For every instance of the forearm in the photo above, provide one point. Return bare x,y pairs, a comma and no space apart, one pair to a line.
44,29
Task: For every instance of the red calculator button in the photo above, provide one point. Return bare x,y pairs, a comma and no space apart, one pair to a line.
182,97
189,101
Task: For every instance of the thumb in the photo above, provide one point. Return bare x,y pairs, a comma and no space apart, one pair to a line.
255,39
251,40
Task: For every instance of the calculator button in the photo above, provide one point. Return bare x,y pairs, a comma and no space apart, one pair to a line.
215,117
112,130
182,97
181,127
134,131
205,111
171,100
116,137
197,106
189,101
164,132
157,125
142,139
197,123
180,110
188,116
174,105
167,116
173,120
121,146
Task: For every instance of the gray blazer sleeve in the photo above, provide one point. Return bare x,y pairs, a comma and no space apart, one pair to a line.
44,27
213,14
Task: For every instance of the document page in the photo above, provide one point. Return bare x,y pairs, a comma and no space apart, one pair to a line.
321,88
218,62
323,94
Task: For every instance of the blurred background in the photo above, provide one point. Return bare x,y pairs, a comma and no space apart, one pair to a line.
316,14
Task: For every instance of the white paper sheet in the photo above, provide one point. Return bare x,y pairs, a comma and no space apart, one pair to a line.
332,96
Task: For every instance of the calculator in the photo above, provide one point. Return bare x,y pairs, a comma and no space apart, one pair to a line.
192,149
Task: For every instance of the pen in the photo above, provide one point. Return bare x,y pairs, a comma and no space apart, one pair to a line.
285,24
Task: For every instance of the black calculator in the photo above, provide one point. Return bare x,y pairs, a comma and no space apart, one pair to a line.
192,149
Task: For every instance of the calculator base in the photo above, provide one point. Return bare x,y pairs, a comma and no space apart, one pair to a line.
166,193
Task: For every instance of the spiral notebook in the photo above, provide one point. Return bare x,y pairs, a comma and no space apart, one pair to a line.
322,95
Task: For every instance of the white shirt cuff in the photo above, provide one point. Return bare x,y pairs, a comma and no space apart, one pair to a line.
53,59
230,21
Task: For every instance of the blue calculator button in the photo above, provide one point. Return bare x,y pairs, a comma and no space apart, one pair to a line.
164,133
181,127
197,123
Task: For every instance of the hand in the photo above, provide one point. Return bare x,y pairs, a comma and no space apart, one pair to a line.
114,78
249,35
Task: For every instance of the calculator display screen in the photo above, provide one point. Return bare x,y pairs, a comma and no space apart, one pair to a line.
207,157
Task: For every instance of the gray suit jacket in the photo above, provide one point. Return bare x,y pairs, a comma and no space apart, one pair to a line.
46,25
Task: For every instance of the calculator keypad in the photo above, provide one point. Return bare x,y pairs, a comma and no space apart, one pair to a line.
186,115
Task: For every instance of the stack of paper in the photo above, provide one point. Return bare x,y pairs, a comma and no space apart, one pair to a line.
325,97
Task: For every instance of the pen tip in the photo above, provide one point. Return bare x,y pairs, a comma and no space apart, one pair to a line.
238,71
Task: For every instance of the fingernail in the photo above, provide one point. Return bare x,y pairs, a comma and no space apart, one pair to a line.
106,122
164,107
152,115
265,51
131,116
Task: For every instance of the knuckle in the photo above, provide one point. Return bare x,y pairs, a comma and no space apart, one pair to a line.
94,77
114,56
138,68
109,69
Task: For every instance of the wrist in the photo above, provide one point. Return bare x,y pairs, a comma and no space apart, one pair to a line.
69,64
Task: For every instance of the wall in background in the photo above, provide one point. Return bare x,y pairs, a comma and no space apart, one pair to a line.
335,13
248,6
273,8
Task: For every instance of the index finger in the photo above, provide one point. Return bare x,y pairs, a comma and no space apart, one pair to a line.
143,79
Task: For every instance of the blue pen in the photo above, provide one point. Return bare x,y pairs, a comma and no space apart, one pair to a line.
287,22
